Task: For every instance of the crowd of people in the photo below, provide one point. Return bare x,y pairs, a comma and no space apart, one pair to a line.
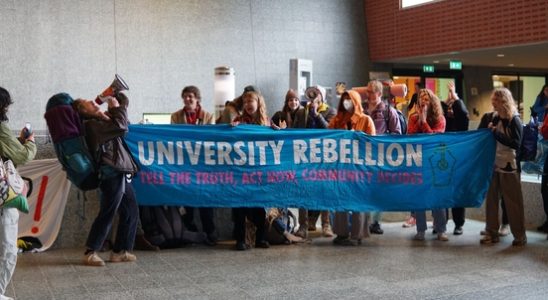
374,114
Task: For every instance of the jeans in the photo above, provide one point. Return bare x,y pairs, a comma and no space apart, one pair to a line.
9,217
439,220
117,195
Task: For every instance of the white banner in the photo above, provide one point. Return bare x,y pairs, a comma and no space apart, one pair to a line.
46,203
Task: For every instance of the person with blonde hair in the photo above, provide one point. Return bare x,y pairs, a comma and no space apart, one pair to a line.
507,129
253,112
350,116
429,119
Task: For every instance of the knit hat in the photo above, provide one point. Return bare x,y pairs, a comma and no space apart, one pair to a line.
290,95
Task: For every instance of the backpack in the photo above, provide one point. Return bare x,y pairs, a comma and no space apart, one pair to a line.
401,117
530,138
278,221
163,227
66,130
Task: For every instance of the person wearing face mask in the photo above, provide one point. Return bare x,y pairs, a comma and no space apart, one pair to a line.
286,117
316,114
429,119
350,116
192,113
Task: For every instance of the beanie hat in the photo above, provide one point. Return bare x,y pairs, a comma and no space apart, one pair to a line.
290,95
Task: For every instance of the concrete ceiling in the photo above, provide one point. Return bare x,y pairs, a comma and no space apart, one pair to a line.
534,56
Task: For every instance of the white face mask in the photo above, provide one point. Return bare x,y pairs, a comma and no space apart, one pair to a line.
347,104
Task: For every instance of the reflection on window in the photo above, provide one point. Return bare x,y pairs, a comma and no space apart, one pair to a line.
409,3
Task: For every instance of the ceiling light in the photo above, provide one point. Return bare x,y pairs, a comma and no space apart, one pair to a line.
436,61
500,55
510,65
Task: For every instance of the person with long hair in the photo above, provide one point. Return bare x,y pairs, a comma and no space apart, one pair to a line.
286,118
543,98
350,116
507,129
429,119
20,150
253,112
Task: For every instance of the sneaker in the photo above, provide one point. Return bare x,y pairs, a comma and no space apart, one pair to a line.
419,236
442,236
489,240
375,228
504,230
519,243
302,232
122,256
92,259
344,241
457,231
327,231
409,222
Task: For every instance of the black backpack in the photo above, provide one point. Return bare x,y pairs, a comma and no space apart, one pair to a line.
528,148
163,227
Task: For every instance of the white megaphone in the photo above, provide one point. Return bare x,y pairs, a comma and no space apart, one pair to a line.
116,86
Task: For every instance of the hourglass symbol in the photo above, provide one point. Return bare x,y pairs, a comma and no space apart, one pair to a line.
442,162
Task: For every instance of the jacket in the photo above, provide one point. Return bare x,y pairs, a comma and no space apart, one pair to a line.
179,117
358,121
107,139
11,148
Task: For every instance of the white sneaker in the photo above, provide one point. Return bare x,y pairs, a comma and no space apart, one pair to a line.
92,259
504,230
123,256
443,237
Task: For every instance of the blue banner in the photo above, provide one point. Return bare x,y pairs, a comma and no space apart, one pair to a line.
247,165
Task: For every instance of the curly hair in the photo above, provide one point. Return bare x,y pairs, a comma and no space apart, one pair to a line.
5,101
507,104
434,111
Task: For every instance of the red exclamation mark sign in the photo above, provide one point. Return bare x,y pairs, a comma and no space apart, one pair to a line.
39,202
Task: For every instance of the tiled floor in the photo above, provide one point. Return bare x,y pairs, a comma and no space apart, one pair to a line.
391,266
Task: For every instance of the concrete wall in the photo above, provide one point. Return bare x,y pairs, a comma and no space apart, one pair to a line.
158,47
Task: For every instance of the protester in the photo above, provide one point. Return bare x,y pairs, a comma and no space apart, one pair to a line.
20,151
233,109
192,113
104,132
286,118
504,229
539,107
316,114
457,119
507,129
386,121
429,119
350,116
253,112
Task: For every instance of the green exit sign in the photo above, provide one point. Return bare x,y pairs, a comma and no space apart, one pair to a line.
455,65
428,68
